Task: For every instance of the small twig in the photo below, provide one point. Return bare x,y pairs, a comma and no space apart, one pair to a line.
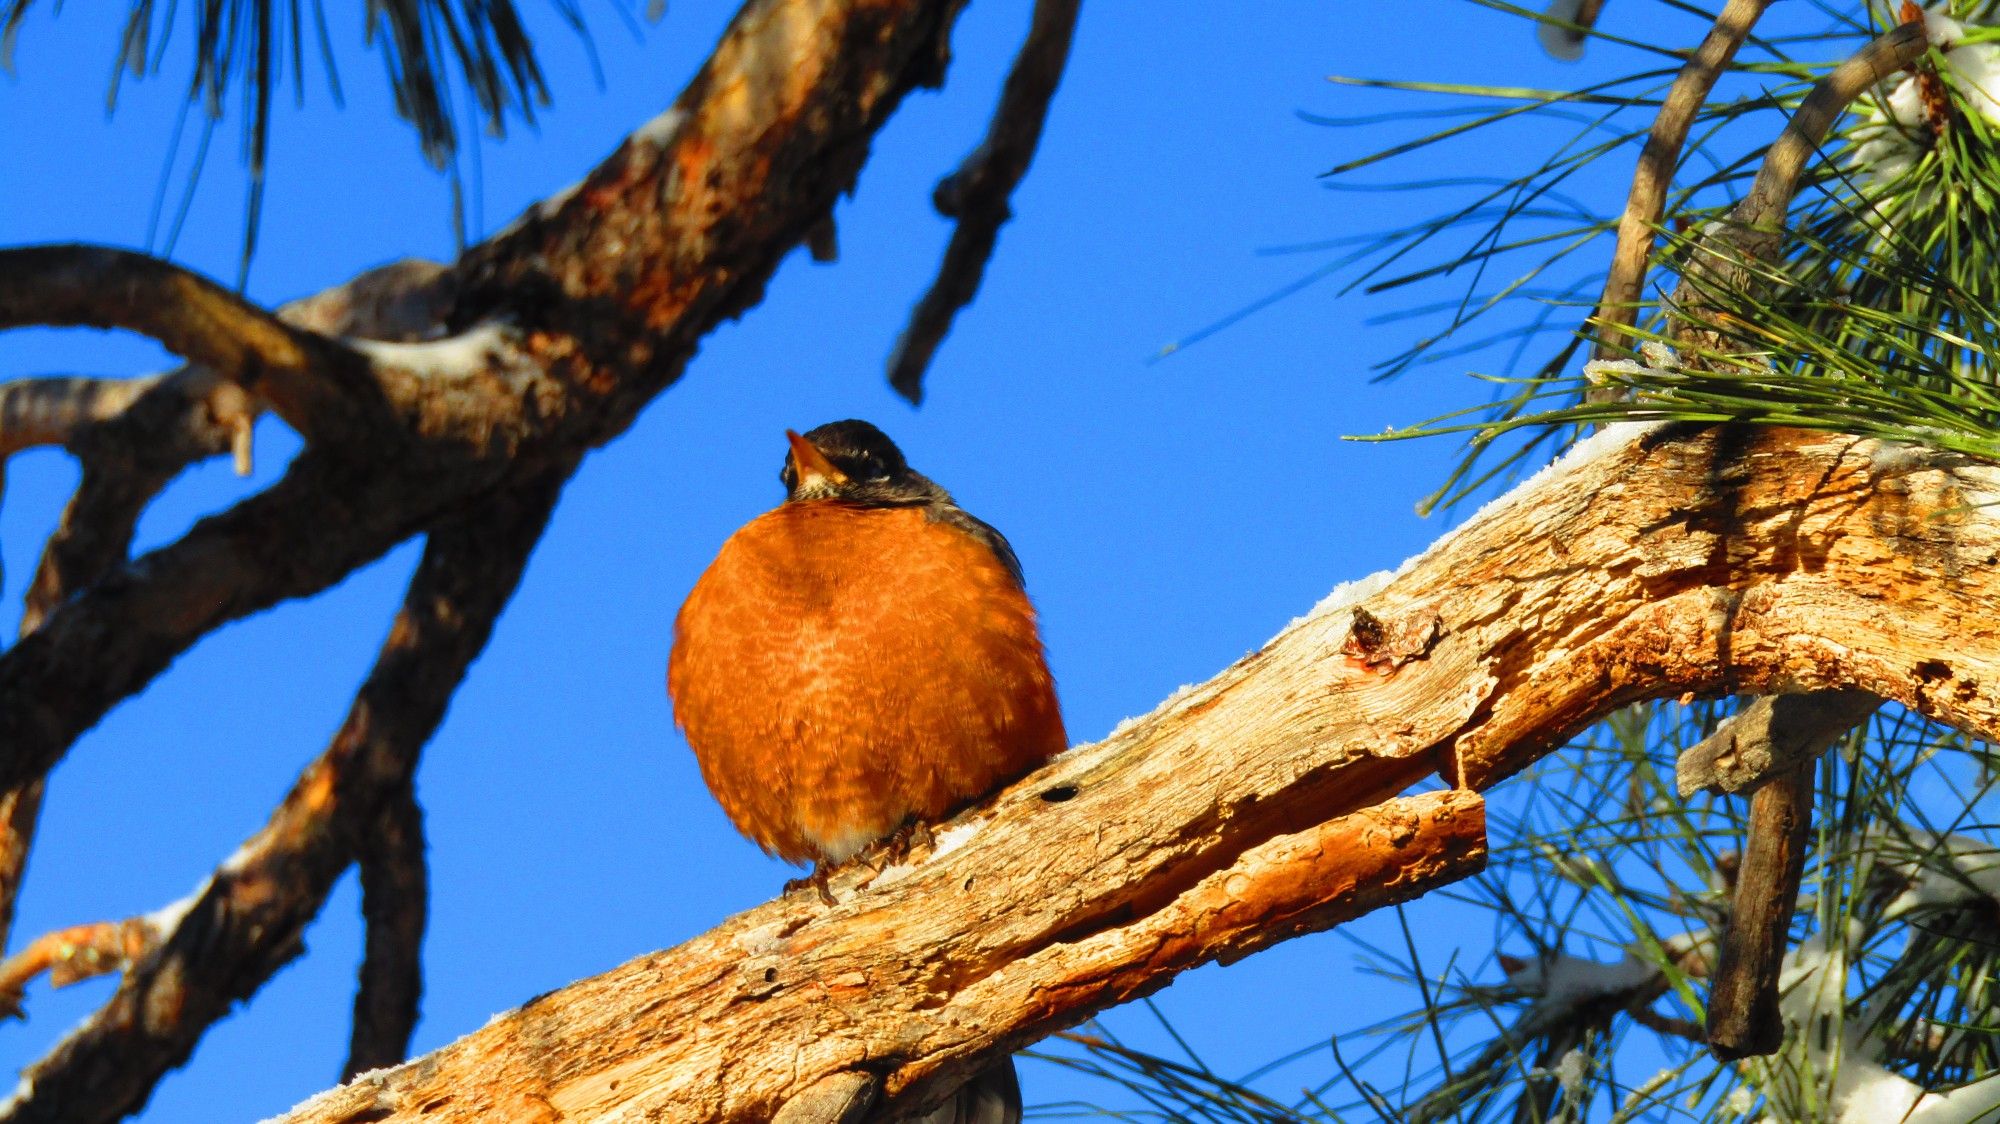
395,902
977,193
54,409
1769,736
75,954
1743,1015
317,384
1618,308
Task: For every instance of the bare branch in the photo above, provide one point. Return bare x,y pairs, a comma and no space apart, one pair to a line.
1618,307
52,410
1768,737
395,901
1722,259
317,385
20,811
95,535
681,227
978,194
75,954
1653,563
244,923
1743,1015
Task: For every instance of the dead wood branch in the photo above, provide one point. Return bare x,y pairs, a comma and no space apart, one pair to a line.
243,924
1735,260
316,384
1769,736
395,901
978,193
1617,308
133,437
52,410
94,535
1743,1015
72,955
1651,564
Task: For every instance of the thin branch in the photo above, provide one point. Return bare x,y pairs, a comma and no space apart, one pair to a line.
1769,736
54,409
1726,259
978,193
244,923
1618,307
72,955
20,811
318,385
94,535
395,901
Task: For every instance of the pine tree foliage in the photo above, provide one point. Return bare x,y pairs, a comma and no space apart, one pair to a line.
1607,889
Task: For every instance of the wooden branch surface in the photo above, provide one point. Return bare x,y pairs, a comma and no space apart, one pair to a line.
312,381
1652,564
1769,736
395,902
1743,1016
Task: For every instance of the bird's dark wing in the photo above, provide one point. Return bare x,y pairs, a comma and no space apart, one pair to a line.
952,515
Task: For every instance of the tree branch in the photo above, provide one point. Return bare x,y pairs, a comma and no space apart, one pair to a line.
1646,565
978,193
1729,258
316,384
1768,737
1743,1015
133,437
1617,309
395,900
243,924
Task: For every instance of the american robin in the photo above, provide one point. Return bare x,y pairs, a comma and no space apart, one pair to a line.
861,658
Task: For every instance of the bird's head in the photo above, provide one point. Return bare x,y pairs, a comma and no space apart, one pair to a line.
853,462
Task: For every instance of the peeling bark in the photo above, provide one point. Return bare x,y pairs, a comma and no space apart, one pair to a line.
1261,804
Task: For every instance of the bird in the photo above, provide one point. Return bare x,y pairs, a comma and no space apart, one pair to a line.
860,662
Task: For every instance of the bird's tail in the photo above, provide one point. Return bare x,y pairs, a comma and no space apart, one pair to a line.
993,1097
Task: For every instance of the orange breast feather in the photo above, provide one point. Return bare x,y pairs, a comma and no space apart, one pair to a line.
839,669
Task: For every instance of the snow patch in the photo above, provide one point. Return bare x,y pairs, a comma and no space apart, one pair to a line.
1565,981
1894,134
469,352
1943,872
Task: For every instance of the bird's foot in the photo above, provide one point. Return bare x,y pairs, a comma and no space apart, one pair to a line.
916,834
816,881
896,848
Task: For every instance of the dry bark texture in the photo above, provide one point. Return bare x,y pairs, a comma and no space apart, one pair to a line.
1261,804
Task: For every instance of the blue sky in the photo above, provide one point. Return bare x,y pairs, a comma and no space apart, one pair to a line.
1170,515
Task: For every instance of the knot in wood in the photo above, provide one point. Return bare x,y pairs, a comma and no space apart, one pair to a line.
1387,644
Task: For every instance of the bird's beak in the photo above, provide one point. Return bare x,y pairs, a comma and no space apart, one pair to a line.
812,464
